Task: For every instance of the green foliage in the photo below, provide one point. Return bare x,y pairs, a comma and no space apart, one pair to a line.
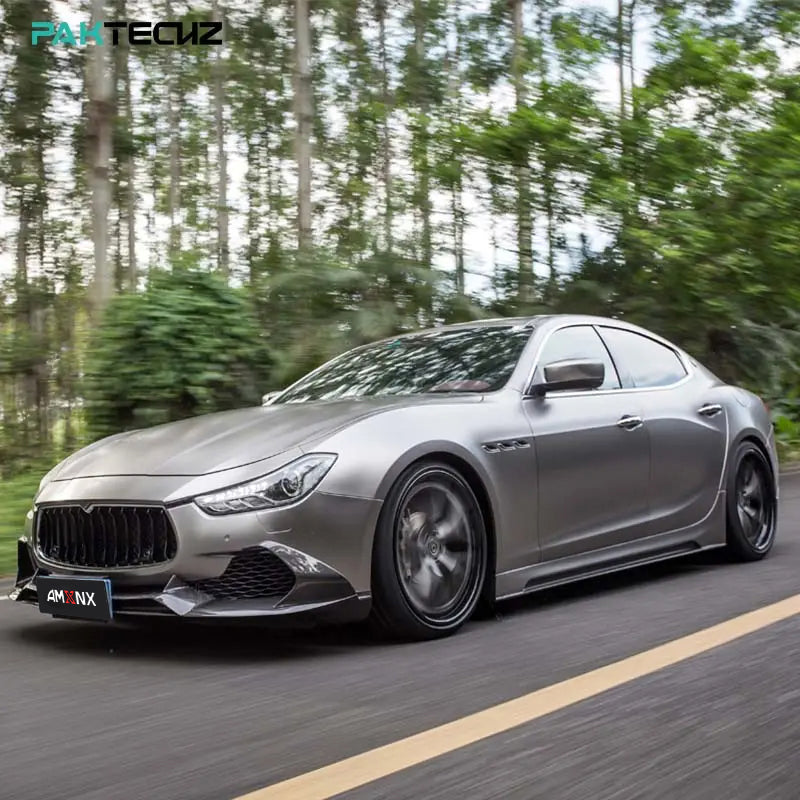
787,433
18,493
189,344
434,149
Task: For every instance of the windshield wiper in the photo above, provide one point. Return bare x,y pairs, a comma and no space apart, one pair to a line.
436,390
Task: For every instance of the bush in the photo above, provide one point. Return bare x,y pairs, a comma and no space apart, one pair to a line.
188,345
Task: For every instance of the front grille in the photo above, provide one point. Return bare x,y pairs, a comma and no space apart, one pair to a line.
253,573
105,536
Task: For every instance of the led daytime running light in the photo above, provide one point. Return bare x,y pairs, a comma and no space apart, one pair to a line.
279,488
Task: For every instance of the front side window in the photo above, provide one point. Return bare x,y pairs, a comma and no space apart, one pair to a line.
577,342
646,362
471,359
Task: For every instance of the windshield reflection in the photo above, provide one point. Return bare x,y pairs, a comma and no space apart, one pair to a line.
472,359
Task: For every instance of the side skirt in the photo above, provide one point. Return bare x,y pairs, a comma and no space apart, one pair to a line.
709,534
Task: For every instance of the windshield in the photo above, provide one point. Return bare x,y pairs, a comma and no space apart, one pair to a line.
478,359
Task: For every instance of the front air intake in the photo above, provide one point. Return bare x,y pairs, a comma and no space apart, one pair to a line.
254,573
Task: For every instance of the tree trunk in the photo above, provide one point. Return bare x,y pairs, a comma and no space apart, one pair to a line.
99,140
623,149
38,314
252,182
621,56
631,69
549,191
524,203
23,311
548,163
386,144
222,158
117,237
130,203
304,117
424,188
633,147
457,200
129,200
118,133
174,197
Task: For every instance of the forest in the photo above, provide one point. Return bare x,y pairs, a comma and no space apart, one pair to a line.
184,228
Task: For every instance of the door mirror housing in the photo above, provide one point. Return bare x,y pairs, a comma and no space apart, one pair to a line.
572,375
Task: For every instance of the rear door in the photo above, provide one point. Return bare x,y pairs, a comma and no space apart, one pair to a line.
592,453
687,428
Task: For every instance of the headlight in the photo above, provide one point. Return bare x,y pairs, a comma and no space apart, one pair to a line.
280,488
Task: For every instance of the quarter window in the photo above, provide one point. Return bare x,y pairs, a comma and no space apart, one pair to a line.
646,362
577,342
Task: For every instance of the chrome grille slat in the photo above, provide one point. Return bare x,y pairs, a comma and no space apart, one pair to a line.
80,545
91,539
103,545
136,543
111,539
157,552
125,538
71,543
150,533
105,537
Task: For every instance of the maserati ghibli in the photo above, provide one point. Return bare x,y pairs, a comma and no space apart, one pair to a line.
410,482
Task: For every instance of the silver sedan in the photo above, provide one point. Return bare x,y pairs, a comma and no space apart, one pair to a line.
412,481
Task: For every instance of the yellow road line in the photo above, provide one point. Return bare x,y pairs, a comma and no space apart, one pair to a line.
374,764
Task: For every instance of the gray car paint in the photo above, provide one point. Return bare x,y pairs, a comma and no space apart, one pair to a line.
571,494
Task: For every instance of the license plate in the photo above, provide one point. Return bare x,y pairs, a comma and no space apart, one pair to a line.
78,598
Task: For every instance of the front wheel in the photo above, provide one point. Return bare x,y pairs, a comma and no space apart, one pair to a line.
429,557
752,504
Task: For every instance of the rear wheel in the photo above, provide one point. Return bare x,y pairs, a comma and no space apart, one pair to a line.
429,558
751,504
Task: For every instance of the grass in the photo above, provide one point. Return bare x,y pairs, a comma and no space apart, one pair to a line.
15,499
789,454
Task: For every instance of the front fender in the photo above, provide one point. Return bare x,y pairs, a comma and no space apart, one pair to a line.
374,452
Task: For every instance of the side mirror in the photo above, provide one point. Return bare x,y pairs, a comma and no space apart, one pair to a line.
268,397
573,375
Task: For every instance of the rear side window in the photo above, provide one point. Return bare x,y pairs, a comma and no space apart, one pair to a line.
645,362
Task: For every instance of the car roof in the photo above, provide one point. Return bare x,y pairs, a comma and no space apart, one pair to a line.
481,323
531,322
527,321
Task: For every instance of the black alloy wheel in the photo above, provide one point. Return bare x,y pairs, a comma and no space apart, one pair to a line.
429,560
752,504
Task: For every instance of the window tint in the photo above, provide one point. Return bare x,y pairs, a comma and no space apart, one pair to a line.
647,362
577,341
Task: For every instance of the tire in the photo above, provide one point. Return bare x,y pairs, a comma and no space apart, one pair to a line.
751,505
429,556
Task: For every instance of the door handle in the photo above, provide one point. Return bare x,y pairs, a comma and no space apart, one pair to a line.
629,423
710,409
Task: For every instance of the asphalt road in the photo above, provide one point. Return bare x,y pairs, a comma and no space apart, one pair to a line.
92,712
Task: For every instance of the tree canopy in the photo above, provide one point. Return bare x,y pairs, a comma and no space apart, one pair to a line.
185,228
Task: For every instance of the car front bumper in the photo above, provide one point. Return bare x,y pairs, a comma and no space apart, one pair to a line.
312,560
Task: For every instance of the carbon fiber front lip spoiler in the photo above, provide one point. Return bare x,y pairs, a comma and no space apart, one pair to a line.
318,589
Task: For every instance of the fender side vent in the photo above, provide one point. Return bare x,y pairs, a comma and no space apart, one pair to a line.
505,446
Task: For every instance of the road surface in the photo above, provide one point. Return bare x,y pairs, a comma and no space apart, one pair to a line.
98,713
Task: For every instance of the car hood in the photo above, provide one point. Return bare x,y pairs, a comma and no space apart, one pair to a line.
220,441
